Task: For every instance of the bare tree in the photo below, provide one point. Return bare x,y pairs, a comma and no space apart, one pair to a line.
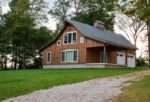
131,26
144,46
77,6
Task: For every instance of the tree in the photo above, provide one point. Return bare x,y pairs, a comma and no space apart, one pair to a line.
4,43
4,47
86,11
144,46
142,9
60,10
20,24
97,10
131,27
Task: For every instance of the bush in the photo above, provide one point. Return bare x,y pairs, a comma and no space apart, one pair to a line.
36,65
141,62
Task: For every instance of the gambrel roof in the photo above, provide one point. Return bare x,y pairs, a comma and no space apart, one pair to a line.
105,36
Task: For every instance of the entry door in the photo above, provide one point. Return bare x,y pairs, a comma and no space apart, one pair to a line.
131,61
121,58
103,57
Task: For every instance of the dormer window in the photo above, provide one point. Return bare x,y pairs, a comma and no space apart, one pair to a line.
70,38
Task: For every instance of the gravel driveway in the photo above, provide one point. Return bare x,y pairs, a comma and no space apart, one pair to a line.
97,90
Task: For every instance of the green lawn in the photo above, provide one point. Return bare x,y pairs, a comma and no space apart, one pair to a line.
137,92
14,83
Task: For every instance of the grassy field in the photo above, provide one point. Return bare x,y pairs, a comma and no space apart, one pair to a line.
137,92
14,83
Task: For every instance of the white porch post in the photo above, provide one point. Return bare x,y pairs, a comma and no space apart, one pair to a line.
104,54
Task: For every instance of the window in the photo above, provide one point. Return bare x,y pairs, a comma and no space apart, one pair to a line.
58,42
119,54
81,40
70,38
130,56
69,55
63,56
48,57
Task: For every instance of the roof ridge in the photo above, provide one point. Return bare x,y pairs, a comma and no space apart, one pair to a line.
101,35
105,36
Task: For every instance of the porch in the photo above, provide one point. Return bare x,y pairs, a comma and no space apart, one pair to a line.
106,56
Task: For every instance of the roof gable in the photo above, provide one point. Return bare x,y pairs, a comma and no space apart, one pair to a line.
91,32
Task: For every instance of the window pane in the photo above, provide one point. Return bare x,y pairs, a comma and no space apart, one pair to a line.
69,56
65,38
69,37
63,56
74,37
75,56
48,57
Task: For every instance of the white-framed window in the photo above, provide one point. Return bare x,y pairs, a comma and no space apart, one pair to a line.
130,56
70,37
120,54
58,42
70,55
81,40
48,57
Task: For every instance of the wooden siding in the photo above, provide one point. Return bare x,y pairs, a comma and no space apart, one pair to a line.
56,50
93,43
112,57
93,55
88,52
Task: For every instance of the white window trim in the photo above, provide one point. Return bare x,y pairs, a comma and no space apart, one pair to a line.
132,55
47,57
71,39
82,40
121,53
65,55
58,41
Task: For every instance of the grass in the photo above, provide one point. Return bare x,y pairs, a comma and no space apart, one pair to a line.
138,91
19,82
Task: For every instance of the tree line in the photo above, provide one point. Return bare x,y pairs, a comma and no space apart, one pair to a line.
21,33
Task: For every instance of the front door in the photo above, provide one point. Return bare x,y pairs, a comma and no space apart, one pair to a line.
103,57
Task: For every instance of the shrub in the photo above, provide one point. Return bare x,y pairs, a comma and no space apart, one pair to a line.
141,62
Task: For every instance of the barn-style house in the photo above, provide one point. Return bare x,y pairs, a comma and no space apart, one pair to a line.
80,45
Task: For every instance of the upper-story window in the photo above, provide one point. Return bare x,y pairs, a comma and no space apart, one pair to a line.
70,38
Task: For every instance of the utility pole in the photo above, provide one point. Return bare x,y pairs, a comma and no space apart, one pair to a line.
148,30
